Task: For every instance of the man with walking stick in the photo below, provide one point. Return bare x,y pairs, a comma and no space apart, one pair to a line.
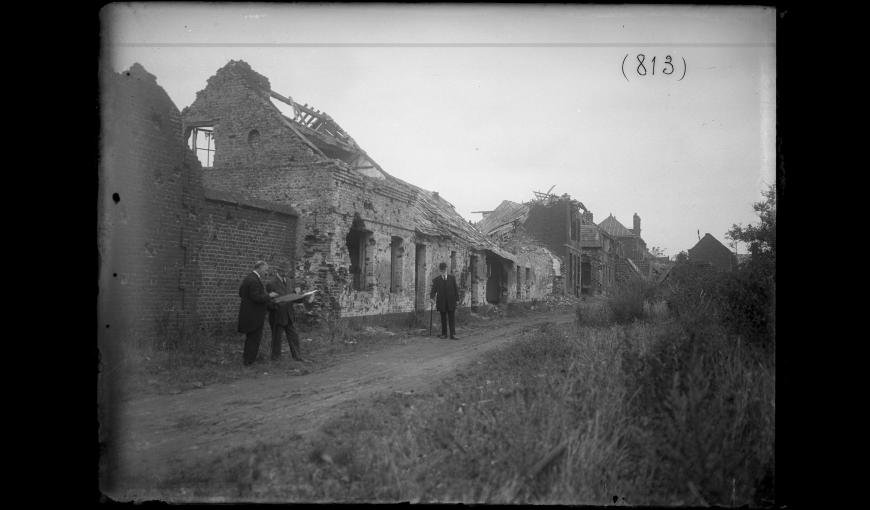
447,292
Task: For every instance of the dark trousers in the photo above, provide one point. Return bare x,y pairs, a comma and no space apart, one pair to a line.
445,316
292,339
252,345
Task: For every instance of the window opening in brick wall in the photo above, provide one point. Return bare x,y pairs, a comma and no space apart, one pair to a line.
201,141
452,261
472,277
519,284
528,275
397,252
254,139
357,244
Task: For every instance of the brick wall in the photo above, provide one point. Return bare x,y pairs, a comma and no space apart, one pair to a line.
234,237
149,205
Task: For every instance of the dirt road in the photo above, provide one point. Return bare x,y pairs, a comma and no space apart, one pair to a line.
162,434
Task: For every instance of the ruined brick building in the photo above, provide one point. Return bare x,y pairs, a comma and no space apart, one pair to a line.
594,258
538,269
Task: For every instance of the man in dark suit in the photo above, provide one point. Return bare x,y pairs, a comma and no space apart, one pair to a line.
444,287
252,311
281,315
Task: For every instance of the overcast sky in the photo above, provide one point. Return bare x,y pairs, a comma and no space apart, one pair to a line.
490,103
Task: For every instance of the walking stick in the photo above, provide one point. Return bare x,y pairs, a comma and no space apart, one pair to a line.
430,318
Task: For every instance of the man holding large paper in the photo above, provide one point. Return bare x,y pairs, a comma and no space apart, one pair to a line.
281,312
252,311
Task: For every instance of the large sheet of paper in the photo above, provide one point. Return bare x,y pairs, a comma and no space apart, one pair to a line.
289,298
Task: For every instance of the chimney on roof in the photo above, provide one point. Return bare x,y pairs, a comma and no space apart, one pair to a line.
435,194
636,229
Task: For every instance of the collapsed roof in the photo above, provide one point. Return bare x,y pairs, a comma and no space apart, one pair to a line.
503,217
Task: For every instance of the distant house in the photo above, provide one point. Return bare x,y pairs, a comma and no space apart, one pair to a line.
632,242
601,257
710,252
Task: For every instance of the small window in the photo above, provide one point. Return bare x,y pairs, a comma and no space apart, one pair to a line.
452,261
254,139
201,141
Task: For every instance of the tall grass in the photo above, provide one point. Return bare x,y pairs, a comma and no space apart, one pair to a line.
666,409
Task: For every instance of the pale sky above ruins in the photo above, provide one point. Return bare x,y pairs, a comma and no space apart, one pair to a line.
535,98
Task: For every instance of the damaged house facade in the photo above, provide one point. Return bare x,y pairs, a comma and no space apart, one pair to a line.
370,242
538,270
592,258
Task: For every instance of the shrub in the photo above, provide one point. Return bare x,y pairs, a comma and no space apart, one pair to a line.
627,302
741,301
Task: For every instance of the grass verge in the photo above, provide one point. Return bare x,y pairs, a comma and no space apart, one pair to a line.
566,415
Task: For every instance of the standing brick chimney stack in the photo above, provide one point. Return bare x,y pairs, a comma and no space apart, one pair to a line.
636,228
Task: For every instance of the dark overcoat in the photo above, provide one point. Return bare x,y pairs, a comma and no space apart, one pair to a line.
280,314
252,311
447,292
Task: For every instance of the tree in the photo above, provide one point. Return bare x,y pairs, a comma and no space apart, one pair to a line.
761,238
655,251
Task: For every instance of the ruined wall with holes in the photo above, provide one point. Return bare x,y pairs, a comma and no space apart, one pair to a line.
149,239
